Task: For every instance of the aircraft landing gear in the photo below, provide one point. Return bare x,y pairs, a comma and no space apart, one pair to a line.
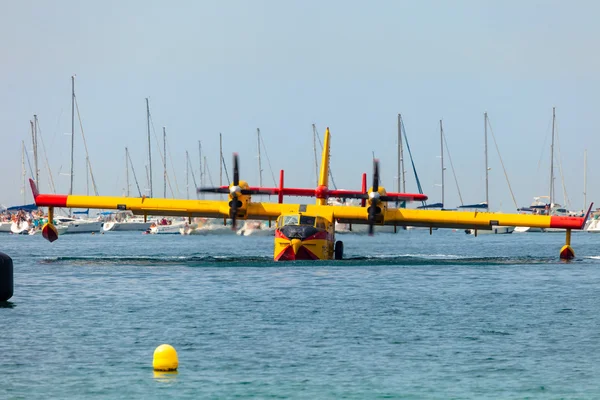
338,250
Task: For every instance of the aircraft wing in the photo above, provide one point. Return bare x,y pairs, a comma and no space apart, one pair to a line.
162,207
455,219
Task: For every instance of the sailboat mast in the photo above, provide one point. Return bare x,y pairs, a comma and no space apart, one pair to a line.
149,172
584,179
72,128
127,171
315,151
398,177
552,160
220,159
204,173
401,155
35,150
487,170
164,163
187,175
442,158
259,162
23,168
200,165
87,175
34,153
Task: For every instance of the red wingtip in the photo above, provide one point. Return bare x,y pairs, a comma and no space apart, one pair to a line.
34,188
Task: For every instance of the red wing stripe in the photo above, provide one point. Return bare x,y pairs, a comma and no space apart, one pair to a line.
566,222
51,200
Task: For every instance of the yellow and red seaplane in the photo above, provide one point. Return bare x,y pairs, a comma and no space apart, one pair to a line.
304,231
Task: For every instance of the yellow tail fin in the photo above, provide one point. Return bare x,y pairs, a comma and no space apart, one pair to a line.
324,174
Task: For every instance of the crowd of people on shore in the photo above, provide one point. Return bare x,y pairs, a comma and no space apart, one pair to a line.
33,218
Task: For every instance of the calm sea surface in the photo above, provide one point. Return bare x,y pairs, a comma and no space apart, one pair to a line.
407,316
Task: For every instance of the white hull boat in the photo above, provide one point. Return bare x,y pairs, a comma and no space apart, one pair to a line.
594,226
19,228
364,229
209,229
171,229
61,229
5,227
528,229
126,226
79,225
496,230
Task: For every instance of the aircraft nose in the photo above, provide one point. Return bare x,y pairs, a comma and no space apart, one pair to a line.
296,244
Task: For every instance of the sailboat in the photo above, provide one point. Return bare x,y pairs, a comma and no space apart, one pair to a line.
124,220
550,207
77,225
486,204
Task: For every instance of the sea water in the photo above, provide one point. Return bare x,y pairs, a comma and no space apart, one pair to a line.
406,315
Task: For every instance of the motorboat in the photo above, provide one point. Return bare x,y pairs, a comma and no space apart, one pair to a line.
5,227
528,229
166,227
75,225
131,224
496,230
20,227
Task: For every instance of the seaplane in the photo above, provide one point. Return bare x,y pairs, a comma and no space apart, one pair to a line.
306,231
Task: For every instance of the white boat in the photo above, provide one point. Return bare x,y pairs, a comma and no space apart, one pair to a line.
79,225
528,229
21,227
133,224
5,227
496,230
61,229
593,225
169,228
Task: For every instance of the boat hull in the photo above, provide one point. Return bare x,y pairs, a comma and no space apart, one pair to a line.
496,230
125,226
83,227
5,227
172,229
528,229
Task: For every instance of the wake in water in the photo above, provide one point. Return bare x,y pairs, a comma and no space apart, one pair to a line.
267,261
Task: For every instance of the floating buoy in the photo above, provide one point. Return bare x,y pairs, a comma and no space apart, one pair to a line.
6,277
165,358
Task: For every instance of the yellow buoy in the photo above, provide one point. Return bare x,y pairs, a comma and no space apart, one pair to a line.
165,358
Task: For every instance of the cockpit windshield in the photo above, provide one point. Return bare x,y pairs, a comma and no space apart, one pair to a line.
297,220
304,220
290,220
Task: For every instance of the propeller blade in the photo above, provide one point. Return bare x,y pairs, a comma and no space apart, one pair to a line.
371,220
213,190
236,170
375,175
233,212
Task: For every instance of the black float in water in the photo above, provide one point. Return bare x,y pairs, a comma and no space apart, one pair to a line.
6,277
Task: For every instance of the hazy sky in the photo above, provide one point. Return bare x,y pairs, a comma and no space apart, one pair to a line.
234,66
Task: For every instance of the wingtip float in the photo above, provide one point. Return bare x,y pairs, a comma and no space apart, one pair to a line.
306,232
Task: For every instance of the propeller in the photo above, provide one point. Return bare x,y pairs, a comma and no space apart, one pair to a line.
374,198
234,191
